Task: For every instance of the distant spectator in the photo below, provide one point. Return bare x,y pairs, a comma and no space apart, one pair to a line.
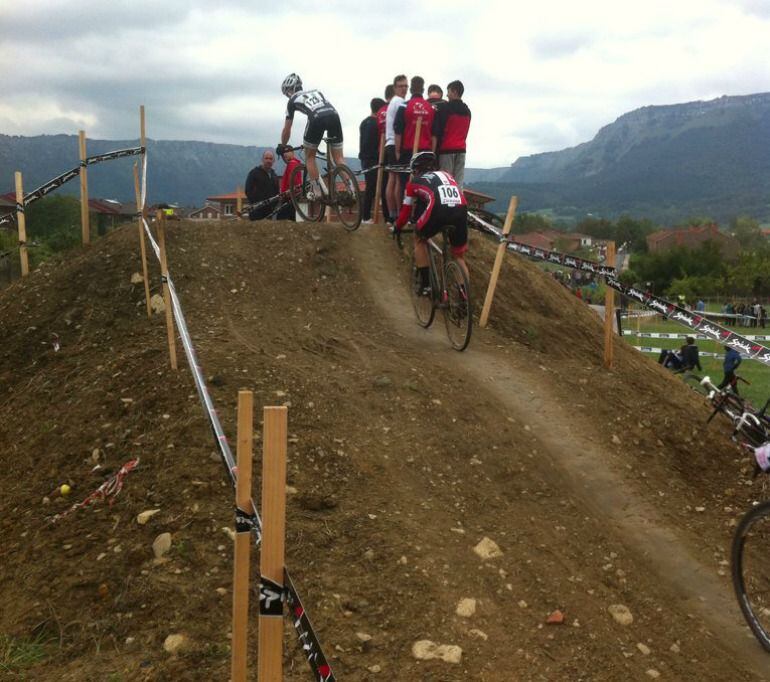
700,306
368,153
261,184
762,316
690,355
436,97
732,360
756,312
450,130
285,151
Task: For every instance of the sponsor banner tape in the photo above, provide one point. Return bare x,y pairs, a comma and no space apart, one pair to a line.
697,322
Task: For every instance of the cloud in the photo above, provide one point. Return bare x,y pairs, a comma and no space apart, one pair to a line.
538,77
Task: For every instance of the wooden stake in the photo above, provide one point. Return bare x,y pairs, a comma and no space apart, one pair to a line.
85,220
142,245
21,222
242,537
378,190
166,294
418,130
270,657
238,202
609,310
498,262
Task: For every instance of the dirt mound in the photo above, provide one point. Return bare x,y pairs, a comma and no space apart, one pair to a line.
599,487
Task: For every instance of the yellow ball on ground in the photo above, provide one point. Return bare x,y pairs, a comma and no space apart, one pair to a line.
65,490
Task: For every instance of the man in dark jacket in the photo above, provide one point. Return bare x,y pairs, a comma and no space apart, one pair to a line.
369,153
450,130
690,355
261,184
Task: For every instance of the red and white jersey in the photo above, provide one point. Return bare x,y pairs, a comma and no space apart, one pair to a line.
427,194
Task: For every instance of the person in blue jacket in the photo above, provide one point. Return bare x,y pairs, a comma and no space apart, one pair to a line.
732,360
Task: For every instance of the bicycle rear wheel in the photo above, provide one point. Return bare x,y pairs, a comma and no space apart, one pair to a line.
299,182
424,306
751,570
346,197
458,313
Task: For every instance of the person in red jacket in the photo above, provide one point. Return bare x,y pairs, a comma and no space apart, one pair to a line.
287,154
433,201
450,130
405,126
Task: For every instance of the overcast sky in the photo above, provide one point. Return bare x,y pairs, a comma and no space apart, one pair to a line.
539,76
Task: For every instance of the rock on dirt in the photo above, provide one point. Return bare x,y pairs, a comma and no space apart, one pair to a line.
466,607
143,517
621,614
161,545
488,549
157,304
137,278
176,643
425,650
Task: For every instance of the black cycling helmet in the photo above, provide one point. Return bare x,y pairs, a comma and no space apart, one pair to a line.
281,149
422,162
291,84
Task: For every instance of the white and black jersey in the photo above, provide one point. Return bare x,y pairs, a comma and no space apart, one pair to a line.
312,103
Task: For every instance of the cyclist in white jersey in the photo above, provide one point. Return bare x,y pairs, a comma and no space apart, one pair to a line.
322,118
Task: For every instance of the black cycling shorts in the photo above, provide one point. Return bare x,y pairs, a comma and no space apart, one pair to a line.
444,216
317,126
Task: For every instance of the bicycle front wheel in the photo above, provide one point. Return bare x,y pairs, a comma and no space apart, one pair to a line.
346,197
751,570
299,182
424,306
458,313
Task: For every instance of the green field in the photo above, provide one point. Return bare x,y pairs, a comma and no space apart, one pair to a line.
757,391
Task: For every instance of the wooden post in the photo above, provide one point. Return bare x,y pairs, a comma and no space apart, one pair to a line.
242,538
142,245
378,190
270,656
609,309
418,130
166,294
85,220
238,203
498,262
21,222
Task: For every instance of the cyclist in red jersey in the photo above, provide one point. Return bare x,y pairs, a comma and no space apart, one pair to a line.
434,201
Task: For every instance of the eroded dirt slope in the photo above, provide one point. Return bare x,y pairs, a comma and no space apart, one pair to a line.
403,455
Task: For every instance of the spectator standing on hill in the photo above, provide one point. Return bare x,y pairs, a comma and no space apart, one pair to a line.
261,184
368,153
287,211
450,131
436,97
405,126
381,120
393,189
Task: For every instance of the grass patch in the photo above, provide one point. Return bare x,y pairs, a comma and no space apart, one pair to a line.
18,653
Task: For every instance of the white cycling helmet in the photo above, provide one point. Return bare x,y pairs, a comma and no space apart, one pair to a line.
291,84
423,161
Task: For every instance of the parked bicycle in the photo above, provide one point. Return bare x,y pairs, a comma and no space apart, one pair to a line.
449,291
344,194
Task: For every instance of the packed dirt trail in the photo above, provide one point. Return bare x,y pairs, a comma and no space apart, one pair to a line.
600,488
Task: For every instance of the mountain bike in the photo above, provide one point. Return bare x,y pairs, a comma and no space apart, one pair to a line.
750,557
344,193
449,291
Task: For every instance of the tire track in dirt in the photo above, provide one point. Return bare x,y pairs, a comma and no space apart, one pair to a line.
576,461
